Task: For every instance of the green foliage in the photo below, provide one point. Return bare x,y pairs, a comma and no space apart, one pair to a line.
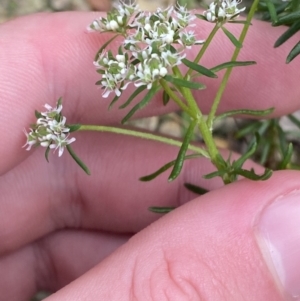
232,38
196,189
142,103
275,148
161,209
181,154
184,83
78,160
283,13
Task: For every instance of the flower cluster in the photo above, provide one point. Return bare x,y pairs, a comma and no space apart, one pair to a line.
50,130
117,19
223,10
153,43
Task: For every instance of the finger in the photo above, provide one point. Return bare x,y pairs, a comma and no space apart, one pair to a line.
235,243
53,262
54,59
44,197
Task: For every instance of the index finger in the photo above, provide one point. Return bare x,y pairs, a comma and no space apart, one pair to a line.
47,56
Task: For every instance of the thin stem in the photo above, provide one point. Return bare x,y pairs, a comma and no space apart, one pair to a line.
204,130
122,131
225,79
175,97
206,134
203,48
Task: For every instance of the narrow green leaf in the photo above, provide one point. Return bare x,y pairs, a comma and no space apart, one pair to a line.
59,102
262,6
47,153
196,189
232,38
214,174
133,95
248,129
115,99
100,71
181,154
288,18
240,22
272,11
143,103
239,162
293,119
231,65
201,17
287,34
287,157
77,160
265,152
135,62
245,112
281,137
250,174
294,52
171,48
164,168
295,5
104,46
166,98
161,209
74,127
200,69
37,114
184,83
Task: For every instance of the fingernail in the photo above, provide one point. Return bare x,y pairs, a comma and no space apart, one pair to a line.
279,239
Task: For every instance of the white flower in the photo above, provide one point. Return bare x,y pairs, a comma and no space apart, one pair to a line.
150,48
115,72
31,140
188,39
223,10
149,71
184,17
50,130
172,59
117,20
112,25
51,111
126,9
60,142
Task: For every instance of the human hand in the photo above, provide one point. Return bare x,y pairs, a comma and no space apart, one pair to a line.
56,223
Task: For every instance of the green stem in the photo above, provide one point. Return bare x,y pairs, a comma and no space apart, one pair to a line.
122,131
203,48
175,97
204,130
225,79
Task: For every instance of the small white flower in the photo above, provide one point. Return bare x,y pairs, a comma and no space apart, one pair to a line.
149,50
113,25
163,71
117,20
223,10
60,142
31,140
51,111
50,130
172,59
183,15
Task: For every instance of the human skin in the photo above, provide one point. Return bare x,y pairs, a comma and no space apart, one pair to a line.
58,225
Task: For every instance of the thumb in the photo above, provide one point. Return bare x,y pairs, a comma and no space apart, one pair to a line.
240,242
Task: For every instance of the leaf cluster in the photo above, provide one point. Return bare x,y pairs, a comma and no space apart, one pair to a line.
283,13
275,149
